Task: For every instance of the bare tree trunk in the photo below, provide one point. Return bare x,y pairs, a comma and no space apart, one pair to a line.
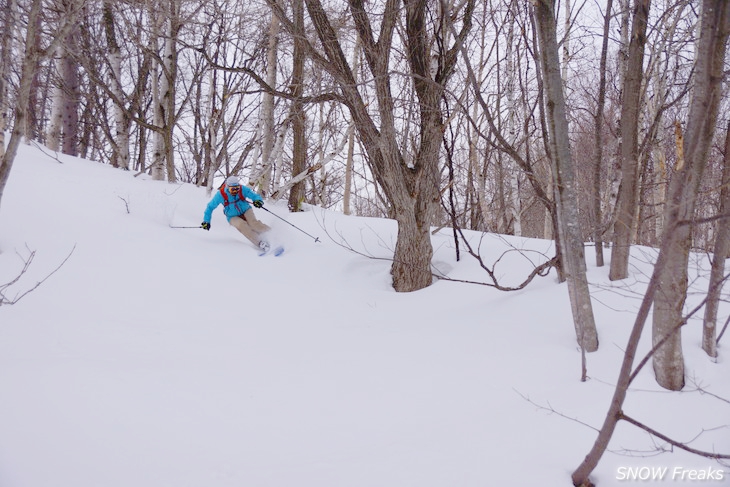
169,77
157,168
122,121
572,252
411,189
720,253
55,125
63,130
514,216
31,127
598,161
268,135
70,76
347,193
659,54
703,112
8,26
212,163
630,106
299,122
683,190
31,58
30,62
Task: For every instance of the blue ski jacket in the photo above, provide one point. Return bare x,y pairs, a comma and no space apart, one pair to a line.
236,205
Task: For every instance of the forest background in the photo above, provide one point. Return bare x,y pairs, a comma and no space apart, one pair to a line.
580,122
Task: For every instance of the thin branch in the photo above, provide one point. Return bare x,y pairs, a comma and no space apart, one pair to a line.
682,446
26,265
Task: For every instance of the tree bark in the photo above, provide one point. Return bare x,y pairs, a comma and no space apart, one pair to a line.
719,254
703,112
157,168
31,58
411,189
299,122
598,138
122,120
572,252
8,27
683,190
268,134
630,107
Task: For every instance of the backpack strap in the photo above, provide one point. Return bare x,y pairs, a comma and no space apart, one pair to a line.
224,194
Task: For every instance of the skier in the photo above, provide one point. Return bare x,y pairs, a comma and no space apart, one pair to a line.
239,213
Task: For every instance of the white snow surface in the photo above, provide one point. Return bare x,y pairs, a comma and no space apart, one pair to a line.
156,356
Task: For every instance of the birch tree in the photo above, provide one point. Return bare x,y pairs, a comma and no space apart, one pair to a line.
122,121
350,162
62,134
261,178
32,54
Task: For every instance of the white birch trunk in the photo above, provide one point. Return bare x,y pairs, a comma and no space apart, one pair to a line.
158,88
212,133
263,180
513,173
121,119
168,88
347,193
55,124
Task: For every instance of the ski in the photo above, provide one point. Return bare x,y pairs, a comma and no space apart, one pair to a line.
276,252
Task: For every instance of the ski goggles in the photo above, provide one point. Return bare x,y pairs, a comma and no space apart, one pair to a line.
234,189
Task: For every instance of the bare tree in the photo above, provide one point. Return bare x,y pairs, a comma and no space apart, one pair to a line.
409,183
572,252
598,134
349,164
299,123
122,120
64,124
630,107
671,266
683,191
6,39
720,253
262,180
31,58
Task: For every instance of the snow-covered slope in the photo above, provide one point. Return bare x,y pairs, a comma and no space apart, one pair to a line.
177,357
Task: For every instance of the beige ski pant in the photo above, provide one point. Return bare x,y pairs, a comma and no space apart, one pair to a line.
249,226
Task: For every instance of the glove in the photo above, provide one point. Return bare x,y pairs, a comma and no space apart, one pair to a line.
205,226
258,203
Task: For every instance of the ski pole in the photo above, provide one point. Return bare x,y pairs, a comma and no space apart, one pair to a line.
173,226
316,239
